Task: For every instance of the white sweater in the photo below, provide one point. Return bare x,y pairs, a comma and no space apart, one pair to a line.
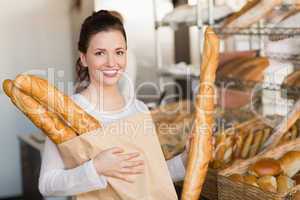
55,180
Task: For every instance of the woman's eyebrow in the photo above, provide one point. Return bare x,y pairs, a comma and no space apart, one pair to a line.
120,48
99,49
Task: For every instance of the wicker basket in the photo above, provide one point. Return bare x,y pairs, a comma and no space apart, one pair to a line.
210,188
229,190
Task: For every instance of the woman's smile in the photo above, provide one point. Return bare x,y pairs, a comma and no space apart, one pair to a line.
110,73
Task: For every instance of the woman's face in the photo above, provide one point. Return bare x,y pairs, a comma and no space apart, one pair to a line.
106,57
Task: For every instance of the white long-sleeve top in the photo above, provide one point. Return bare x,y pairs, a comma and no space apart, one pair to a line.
55,180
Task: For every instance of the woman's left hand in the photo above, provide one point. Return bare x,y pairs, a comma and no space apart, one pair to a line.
185,153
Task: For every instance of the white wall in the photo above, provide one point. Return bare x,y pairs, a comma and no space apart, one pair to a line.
35,35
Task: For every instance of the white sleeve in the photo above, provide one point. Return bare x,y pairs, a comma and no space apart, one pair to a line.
176,168
55,180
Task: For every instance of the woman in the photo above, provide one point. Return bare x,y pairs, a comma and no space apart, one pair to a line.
102,46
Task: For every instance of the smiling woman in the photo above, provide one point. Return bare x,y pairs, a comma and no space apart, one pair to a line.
101,46
103,57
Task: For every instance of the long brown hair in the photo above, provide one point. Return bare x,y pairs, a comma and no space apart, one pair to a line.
102,20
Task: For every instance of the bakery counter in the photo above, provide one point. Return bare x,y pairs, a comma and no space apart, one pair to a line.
31,147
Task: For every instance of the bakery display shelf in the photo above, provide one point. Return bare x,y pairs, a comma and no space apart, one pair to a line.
270,31
285,57
174,25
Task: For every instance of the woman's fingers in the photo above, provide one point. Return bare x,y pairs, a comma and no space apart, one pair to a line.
116,150
129,156
131,164
133,170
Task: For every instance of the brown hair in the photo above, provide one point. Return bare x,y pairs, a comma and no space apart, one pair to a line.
102,20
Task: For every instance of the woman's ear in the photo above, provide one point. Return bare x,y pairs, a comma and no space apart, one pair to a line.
83,60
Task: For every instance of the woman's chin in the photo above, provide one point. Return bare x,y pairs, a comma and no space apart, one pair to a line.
110,81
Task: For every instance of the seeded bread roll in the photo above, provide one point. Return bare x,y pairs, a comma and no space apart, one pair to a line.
55,101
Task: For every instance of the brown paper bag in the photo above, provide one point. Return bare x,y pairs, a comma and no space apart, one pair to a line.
135,133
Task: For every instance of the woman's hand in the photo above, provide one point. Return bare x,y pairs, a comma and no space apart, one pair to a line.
186,151
114,163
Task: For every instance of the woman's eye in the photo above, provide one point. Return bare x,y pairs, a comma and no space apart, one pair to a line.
120,53
99,53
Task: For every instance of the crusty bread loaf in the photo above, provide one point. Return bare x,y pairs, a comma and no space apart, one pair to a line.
201,146
249,69
290,163
232,65
284,183
54,100
48,122
265,167
267,183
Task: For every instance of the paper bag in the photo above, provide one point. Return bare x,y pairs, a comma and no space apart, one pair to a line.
135,133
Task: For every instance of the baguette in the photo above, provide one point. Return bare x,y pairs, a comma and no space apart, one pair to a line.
251,13
256,143
57,102
284,183
290,163
47,121
7,87
247,145
266,135
239,141
201,145
232,65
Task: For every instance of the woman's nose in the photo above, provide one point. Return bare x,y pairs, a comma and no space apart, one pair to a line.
111,60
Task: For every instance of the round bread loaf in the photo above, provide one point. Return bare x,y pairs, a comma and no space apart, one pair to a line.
266,167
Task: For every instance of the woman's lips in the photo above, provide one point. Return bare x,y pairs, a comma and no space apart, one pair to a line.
110,73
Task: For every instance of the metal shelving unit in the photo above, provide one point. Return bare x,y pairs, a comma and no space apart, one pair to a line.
259,30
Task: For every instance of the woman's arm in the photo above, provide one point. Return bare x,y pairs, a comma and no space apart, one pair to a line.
55,180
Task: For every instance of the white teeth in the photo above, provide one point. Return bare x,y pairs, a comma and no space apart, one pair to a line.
111,73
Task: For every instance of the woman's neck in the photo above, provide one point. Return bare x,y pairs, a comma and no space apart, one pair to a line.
104,98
